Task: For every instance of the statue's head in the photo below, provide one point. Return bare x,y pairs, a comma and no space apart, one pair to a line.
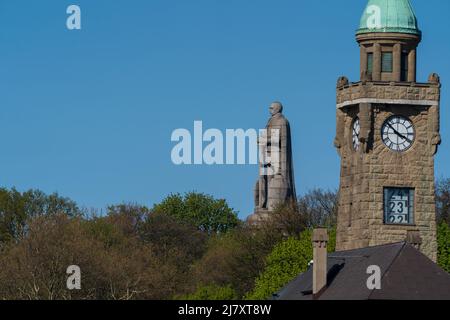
276,108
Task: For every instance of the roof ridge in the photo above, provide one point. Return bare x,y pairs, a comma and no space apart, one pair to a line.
372,247
404,244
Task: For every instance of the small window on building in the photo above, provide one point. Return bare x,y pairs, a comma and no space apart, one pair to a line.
386,62
404,75
370,63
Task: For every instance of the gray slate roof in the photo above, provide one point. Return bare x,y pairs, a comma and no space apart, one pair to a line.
406,274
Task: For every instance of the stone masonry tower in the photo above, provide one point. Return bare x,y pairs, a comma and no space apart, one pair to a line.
387,135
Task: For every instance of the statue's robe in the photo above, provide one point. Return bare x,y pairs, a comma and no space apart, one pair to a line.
276,185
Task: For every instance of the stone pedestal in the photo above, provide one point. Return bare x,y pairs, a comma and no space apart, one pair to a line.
259,216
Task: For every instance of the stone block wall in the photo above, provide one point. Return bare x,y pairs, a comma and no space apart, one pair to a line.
388,90
365,173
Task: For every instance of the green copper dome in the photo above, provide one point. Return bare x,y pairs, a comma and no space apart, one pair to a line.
389,16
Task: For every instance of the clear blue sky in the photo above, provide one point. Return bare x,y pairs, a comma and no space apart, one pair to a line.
89,113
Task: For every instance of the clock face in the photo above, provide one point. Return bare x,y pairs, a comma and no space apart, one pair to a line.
356,130
398,133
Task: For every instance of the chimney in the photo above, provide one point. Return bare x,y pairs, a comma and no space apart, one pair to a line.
414,239
320,269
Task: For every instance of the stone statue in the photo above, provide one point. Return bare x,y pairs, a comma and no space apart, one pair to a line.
275,185
342,82
434,78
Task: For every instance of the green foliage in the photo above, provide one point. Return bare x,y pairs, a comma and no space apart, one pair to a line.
202,211
332,240
17,208
212,292
166,234
133,252
443,200
236,258
128,218
103,230
443,239
287,260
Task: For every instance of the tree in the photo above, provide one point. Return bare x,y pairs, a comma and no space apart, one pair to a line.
443,239
443,200
286,261
443,219
128,217
35,267
166,234
114,265
236,258
17,208
286,220
176,245
202,211
319,207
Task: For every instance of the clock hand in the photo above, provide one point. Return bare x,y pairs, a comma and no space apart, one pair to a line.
399,134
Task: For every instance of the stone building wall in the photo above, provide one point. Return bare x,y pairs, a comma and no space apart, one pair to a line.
419,92
365,173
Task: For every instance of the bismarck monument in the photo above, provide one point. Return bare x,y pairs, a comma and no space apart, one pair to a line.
275,185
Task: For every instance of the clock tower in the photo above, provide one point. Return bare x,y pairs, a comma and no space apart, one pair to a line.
387,135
